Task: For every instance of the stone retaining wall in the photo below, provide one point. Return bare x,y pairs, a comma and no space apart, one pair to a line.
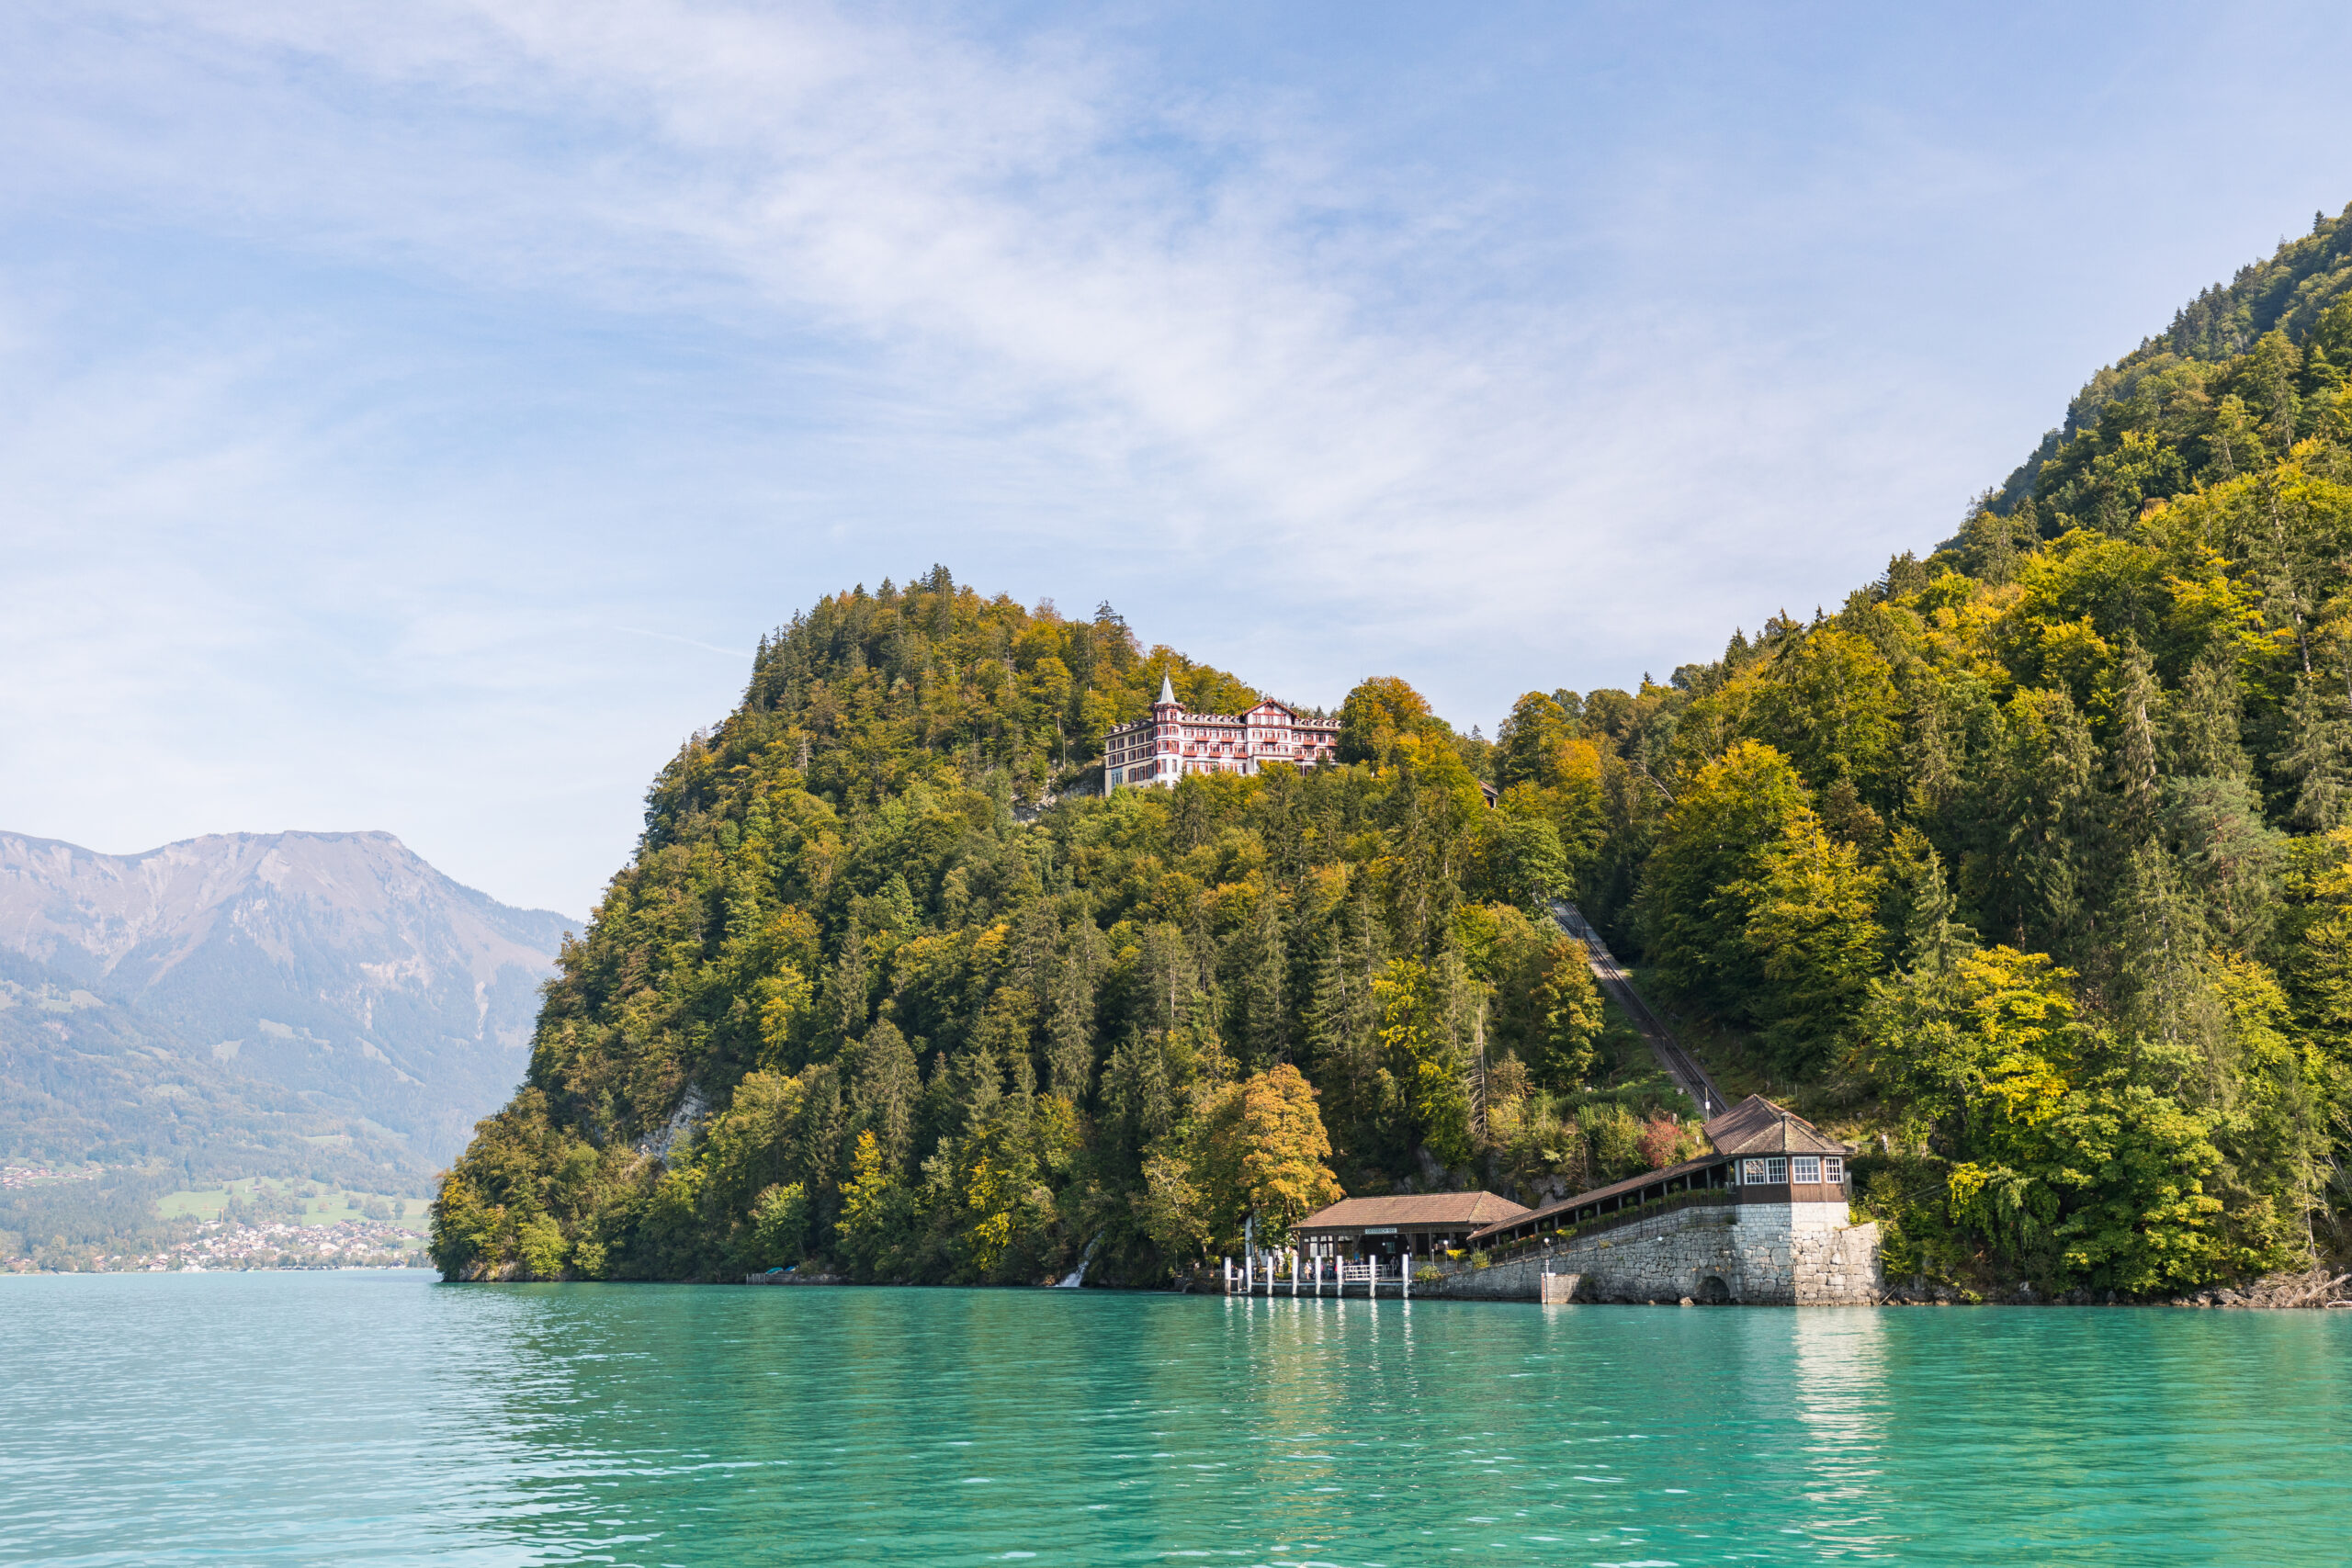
1764,1255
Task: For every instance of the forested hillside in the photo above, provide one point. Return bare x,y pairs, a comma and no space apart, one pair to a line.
2029,870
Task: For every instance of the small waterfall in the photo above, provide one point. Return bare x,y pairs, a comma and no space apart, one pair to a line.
1077,1277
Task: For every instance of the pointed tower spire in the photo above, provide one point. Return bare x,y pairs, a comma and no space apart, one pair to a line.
1166,690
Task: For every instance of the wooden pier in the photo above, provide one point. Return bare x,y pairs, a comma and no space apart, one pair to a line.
1286,1273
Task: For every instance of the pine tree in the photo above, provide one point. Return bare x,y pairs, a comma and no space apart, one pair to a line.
2055,839
1070,1026
2233,443
1920,912
818,1145
1264,956
2317,759
1139,1092
2202,737
2133,758
888,1084
2230,854
1343,1017
2161,943
845,1001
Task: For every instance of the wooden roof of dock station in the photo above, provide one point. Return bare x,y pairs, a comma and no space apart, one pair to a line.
1757,1126
1468,1210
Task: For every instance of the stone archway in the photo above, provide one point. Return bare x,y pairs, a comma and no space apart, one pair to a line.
1712,1292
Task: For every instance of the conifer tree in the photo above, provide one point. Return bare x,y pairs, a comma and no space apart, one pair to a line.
888,1084
2203,736
2133,761
2317,759
1265,957
1070,1021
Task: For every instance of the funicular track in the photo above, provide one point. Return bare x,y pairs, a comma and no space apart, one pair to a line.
1679,1064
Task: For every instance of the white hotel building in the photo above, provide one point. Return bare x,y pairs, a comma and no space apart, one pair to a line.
1171,742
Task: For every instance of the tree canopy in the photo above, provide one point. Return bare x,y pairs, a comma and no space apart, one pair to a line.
2026,871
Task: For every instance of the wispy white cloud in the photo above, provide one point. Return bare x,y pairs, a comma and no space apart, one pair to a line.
1205,322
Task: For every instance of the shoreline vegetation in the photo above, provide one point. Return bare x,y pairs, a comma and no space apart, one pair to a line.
2027,871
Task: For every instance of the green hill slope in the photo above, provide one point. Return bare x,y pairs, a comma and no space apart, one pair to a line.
2030,869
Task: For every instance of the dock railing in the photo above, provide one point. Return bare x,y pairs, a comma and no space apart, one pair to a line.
1288,1273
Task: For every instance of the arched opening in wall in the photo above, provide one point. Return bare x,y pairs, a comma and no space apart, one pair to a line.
1712,1292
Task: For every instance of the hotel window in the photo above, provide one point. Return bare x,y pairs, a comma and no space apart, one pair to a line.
1805,1170
1832,1170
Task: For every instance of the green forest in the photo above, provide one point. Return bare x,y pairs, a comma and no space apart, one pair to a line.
2028,871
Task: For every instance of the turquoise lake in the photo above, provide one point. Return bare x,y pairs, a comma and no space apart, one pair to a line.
382,1417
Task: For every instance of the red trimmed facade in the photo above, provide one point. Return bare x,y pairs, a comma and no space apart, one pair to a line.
1172,742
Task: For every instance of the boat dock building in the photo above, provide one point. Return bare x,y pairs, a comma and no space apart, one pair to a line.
1417,1225
1764,1217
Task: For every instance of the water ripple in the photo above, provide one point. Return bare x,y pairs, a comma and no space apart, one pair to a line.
379,1418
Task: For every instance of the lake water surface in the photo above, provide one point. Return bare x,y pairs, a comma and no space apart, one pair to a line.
366,1418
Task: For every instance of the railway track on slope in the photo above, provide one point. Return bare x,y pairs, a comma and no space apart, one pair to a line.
1678,1065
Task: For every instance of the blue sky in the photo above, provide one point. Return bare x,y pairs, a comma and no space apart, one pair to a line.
417,412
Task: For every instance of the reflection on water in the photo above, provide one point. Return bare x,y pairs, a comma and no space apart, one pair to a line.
1836,1385
371,1418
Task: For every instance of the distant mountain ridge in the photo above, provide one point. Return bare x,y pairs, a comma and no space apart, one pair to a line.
85,1080
339,969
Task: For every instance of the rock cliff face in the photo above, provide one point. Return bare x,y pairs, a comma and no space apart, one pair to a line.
338,966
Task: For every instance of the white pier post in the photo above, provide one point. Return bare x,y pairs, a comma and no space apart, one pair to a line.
1404,1277
1294,1270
